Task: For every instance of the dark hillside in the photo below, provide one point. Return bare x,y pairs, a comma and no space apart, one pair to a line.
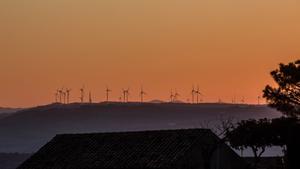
28,130
2,115
9,110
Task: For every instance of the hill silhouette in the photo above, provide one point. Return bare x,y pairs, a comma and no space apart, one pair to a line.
8,110
4,112
29,129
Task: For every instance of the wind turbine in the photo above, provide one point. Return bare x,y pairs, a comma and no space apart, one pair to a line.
193,94
176,95
142,93
198,93
243,100
90,97
219,100
125,95
68,95
233,100
107,93
64,96
171,96
81,94
56,96
60,95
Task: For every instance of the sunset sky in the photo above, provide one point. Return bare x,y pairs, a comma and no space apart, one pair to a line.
228,47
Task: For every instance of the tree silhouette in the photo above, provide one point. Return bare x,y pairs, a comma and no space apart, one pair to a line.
286,96
253,134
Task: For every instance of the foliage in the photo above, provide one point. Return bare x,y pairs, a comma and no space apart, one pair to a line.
254,134
280,130
286,96
260,134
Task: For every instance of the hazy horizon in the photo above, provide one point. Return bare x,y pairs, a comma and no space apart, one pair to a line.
227,47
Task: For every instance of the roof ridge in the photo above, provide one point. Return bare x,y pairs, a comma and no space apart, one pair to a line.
137,131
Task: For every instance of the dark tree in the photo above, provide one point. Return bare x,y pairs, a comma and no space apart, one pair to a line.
280,130
253,134
293,147
285,97
286,134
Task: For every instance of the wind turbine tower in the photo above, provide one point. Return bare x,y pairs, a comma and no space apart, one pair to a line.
142,93
219,100
193,94
176,95
64,96
172,96
125,95
60,95
198,93
81,94
68,95
234,100
107,93
56,96
90,97
243,100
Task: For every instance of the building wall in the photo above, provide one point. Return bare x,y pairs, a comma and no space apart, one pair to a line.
225,158
192,160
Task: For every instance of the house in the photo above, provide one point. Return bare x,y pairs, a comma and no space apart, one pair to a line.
163,149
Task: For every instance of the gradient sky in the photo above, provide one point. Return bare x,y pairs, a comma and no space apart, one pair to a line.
228,47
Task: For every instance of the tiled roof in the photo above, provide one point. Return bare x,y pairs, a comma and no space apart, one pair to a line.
127,150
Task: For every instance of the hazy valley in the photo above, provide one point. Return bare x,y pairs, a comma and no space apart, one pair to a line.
27,130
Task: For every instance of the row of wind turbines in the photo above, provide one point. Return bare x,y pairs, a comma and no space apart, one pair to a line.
63,95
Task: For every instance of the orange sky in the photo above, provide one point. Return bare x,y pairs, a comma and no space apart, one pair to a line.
228,47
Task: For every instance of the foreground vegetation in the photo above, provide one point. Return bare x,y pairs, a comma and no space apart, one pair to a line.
284,131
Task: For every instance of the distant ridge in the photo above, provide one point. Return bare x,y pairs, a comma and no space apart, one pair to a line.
9,110
28,129
156,101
